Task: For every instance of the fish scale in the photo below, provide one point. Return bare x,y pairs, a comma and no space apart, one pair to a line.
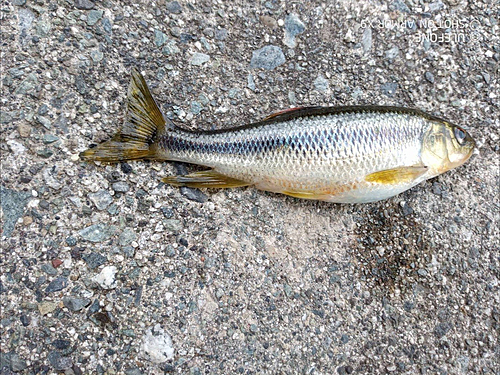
350,154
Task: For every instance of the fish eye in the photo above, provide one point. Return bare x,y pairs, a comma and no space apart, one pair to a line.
460,135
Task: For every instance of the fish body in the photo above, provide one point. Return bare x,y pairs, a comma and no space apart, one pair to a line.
351,154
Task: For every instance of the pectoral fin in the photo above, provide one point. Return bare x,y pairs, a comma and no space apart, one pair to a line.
306,194
397,175
205,179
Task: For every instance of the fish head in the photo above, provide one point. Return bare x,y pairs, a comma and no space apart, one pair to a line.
445,146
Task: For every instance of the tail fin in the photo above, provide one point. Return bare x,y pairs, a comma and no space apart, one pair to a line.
143,124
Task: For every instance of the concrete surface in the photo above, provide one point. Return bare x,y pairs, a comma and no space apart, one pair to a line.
107,271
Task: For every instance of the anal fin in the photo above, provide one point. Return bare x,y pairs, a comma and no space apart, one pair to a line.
205,179
306,194
398,175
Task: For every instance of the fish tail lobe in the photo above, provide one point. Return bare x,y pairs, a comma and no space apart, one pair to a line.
143,125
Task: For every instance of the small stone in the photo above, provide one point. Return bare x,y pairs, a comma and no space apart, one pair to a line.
102,199
293,27
106,278
48,269
13,204
59,283
97,232
49,138
401,6
199,59
28,85
120,187
84,4
56,262
389,88
127,236
170,48
94,16
321,84
157,345
18,2
61,344
392,53
59,362
429,77
96,55
251,82
422,272
407,210
195,107
174,7
366,40
160,38
50,179
173,225
25,320
71,241
16,363
268,57
45,153
46,307
194,194
442,329
94,260
24,130
75,304
221,34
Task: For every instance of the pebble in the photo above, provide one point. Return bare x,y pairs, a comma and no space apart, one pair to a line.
221,34
199,58
94,260
392,53
27,85
76,304
172,225
49,138
61,344
46,307
170,48
293,27
97,232
157,345
94,16
50,180
429,77
106,278
268,57
59,283
102,199
401,6
84,4
251,82
13,204
389,88
321,84
127,236
71,241
196,107
120,187
44,121
174,7
194,194
48,269
366,40
160,38
59,362
17,364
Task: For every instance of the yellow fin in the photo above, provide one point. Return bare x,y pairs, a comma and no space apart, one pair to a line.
305,194
205,179
397,175
143,124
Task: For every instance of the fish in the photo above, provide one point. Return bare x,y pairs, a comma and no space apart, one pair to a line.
349,154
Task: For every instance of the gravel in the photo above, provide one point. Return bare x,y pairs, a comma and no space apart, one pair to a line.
105,269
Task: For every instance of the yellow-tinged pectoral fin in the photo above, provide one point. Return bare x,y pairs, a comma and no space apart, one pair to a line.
397,175
205,179
306,194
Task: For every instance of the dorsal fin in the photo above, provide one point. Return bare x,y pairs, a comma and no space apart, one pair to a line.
290,113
